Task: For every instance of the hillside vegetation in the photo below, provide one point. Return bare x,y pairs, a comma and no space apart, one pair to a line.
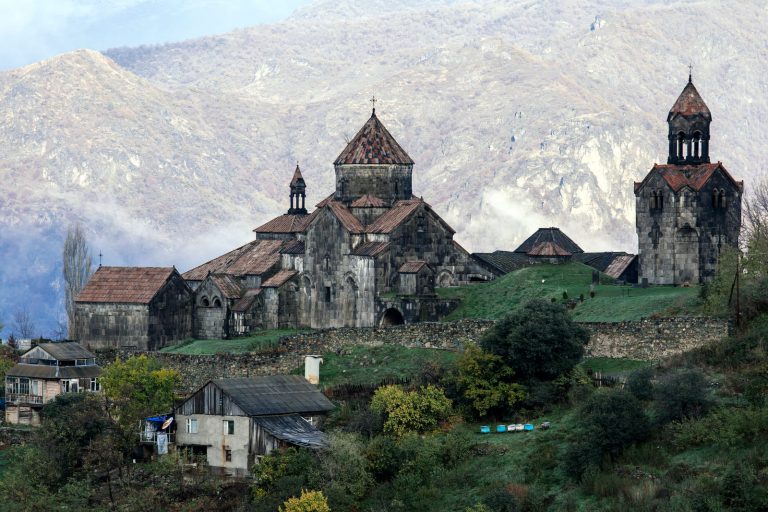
611,303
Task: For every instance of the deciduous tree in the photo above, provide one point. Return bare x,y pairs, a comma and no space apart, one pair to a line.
411,411
76,268
309,501
486,382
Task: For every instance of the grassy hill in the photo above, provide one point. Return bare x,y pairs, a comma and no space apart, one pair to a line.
261,340
611,303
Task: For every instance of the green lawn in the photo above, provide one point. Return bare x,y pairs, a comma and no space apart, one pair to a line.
612,303
372,365
261,341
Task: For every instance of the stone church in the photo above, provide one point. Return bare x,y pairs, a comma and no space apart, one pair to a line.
689,208
370,253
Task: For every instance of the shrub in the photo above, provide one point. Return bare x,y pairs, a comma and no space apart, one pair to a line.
681,395
411,411
309,501
538,341
639,383
486,382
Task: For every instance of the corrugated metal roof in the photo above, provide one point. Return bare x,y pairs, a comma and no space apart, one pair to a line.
275,394
43,371
126,285
373,144
371,249
412,267
229,286
247,300
279,279
293,429
689,103
553,235
66,351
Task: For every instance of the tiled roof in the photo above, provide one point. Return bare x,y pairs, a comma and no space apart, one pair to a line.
279,279
689,103
125,285
693,176
288,223
253,258
392,218
275,394
619,265
373,144
412,267
368,201
293,247
348,220
297,176
371,249
548,249
553,235
229,286
247,300
502,262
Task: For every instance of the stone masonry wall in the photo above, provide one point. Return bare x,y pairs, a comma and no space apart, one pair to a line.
647,339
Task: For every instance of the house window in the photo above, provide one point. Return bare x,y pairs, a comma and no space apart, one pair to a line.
23,386
191,426
95,385
227,454
229,427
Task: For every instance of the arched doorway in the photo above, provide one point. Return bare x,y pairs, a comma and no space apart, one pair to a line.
392,317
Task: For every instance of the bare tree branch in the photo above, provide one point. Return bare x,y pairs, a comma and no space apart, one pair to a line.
23,324
77,270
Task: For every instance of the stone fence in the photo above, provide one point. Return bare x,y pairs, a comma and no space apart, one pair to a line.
647,339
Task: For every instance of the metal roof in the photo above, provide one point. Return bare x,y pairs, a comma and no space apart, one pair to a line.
66,351
293,429
44,371
275,394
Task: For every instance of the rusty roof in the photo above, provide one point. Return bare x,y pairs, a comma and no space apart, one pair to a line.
216,265
619,264
693,176
279,279
65,351
297,176
253,258
689,103
347,219
553,235
288,223
368,201
373,144
247,300
229,286
392,218
548,249
413,267
371,249
293,247
125,285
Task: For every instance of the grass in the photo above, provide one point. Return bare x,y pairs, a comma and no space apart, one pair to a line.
611,303
4,463
260,341
613,366
372,365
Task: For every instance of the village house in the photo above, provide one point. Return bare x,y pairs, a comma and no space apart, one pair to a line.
42,374
233,422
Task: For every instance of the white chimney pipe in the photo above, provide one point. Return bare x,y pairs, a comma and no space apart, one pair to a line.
312,368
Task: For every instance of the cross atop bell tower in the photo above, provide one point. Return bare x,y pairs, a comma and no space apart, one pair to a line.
689,121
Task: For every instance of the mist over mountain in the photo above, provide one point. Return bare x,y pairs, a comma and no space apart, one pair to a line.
518,115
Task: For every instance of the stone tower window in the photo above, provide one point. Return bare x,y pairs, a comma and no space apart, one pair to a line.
722,198
216,303
205,302
715,198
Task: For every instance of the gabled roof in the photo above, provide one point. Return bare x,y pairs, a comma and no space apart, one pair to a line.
229,286
66,351
125,285
548,249
279,279
347,219
247,300
368,201
293,429
502,262
275,394
253,258
392,218
371,249
559,239
44,371
293,247
216,265
689,103
288,223
373,144
413,267
692,176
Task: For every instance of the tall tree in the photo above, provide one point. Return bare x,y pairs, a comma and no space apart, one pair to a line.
23,325
77,269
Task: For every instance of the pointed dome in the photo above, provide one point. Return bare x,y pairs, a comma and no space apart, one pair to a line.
373,144
690,103
297,176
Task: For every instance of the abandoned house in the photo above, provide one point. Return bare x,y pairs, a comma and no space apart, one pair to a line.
145,308
43,373
233,422
688,209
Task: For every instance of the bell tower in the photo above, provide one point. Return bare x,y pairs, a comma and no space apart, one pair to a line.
689,121
298,193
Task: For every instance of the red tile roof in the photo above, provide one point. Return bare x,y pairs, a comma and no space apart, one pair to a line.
373,144
288,223
125,285
689,103
297,176
368,201
229,286
693,176
247,300
348,220
395,216
253,258
371,249
548,249
412,267
279,279
293,247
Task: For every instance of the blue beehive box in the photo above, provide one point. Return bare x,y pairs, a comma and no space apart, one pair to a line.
501,428
485,429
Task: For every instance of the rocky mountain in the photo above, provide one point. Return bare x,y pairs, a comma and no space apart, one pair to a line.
518,115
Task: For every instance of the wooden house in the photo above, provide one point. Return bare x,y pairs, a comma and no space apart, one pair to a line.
43,373
233,422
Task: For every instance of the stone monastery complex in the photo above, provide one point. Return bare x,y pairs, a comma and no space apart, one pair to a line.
372,253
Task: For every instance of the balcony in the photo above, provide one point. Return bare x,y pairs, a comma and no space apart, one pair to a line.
151,437
18,399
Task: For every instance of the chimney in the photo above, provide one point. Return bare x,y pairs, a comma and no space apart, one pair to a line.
312,368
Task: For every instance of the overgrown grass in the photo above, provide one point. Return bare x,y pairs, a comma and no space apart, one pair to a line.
4,463
612,366
611,303
260,341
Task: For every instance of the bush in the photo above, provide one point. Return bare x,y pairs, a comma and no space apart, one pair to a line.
681,395
309,501
639,383
538,341
411,411
486,382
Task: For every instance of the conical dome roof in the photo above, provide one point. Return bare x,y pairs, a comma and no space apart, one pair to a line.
689,103
296,176
373,144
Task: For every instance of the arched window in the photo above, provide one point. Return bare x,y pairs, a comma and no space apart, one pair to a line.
722,198
681,145
652,200
697,144
205,302
216,302
327,263
659,200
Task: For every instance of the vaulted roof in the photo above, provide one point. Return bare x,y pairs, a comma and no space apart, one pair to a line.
689,103
373,144
693,176
125,285
559,241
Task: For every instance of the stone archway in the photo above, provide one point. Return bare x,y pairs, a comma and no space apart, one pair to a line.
392,317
